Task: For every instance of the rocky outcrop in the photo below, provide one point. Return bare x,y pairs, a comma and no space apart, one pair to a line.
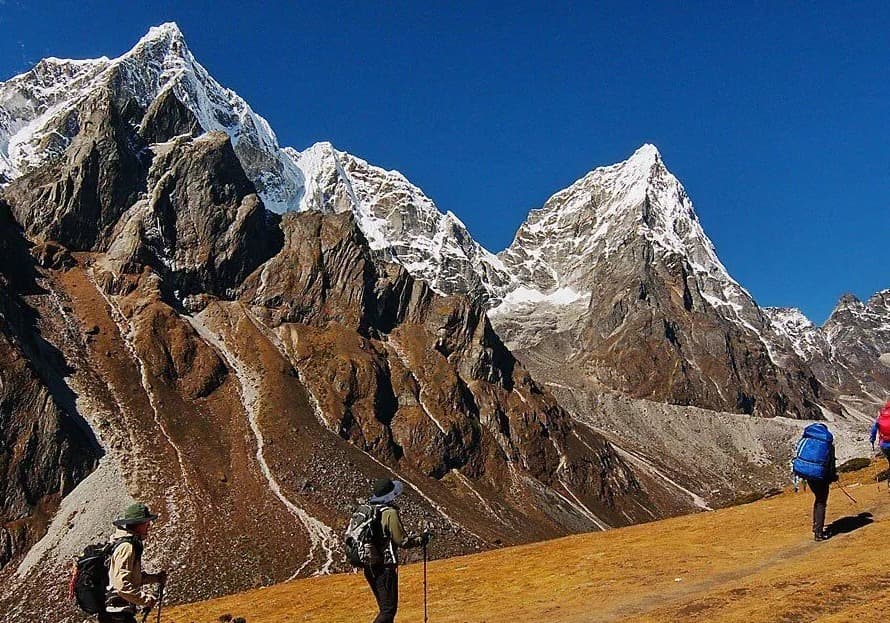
78,197
167,118
202,227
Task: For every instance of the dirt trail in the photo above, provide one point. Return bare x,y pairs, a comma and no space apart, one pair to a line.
752,563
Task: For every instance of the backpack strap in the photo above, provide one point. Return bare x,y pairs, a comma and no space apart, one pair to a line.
138,546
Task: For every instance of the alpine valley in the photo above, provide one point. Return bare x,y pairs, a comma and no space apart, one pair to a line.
244,335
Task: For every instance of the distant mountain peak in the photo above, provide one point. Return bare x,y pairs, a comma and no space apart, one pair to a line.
163,31
848,301
166,39
646,154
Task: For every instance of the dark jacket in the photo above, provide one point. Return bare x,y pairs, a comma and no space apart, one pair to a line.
393,535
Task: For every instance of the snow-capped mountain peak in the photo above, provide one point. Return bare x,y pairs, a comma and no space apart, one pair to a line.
399,220
39,109
599,213
40,113
168,31
805,337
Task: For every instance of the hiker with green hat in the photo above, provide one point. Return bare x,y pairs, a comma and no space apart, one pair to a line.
382,575
126,579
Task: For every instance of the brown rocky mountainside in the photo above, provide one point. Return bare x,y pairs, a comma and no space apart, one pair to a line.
244,336
46,449
247,375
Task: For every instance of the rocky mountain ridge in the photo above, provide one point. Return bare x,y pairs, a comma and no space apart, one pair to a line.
850,353
541,282
248,374
42,110
181,336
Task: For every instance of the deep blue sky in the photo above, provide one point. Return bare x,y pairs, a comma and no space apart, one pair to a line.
777,120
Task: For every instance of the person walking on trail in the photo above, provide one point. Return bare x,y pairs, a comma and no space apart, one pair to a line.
815,462
126,579
880,431
383,574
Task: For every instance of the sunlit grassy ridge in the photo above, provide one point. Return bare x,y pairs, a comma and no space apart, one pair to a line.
749,563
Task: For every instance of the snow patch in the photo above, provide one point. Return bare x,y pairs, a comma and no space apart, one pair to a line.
523,296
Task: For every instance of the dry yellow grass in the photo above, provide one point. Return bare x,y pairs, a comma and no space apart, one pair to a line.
750,563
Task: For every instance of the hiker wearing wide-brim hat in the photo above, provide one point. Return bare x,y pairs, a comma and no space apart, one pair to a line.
383,578
125,576
135,515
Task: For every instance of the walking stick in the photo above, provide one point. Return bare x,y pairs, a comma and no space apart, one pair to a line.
425,617
847,494
159,603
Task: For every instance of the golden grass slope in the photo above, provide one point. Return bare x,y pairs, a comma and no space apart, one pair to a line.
749,564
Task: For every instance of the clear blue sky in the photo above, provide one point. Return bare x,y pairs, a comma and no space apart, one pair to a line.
777,120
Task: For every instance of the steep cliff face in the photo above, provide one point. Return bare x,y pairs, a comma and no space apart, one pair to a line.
77,197
201,226
45,450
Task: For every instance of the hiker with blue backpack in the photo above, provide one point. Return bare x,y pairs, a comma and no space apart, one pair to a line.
815,462
880,431
375,532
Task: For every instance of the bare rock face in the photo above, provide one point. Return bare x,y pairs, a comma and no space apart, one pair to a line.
78,197
415,378
202,226
45,450
167,118
651,333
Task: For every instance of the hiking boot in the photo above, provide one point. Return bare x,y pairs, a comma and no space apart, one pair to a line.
821,536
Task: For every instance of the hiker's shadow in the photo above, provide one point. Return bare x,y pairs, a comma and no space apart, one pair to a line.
848,524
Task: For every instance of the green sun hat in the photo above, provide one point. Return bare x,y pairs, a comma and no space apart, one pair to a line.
135,515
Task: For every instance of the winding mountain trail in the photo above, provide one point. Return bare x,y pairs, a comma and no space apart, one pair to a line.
752,563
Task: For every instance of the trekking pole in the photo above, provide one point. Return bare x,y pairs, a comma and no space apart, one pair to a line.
847,494
160,599
425,617
158,603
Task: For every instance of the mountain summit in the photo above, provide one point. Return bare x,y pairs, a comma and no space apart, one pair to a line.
620,285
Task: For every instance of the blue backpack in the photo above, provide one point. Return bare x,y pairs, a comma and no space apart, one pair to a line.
814,453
